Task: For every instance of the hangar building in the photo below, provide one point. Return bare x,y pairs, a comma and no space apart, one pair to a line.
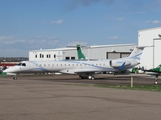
151,56
91,52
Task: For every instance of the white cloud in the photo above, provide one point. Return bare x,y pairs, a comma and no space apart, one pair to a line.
153,21
27,44
14,41
52,37
6,37
10,40
113,37
118,18
57,22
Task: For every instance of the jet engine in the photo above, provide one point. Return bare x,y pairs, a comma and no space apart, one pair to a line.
119,63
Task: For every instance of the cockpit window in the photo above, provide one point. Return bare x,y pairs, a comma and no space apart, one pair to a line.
21,64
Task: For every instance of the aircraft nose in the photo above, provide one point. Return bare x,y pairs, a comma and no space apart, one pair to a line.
5,71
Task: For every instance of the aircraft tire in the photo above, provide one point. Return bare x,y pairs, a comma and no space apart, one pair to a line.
92,78
14,78
155,82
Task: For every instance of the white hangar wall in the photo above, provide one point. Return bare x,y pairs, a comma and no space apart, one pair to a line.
151,55
91,52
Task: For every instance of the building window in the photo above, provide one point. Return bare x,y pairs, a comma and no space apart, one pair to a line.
40,55
72,58
35,56
67,58
54,56
47,56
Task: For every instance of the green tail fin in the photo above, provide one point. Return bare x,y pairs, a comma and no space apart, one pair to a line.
79,52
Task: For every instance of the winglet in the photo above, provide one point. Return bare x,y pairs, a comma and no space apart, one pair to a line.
122,66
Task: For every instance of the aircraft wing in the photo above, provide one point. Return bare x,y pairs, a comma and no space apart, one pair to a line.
79,71
152,73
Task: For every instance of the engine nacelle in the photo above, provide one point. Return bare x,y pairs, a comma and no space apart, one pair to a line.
119,63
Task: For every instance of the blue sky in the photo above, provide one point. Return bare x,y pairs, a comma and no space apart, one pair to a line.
33,24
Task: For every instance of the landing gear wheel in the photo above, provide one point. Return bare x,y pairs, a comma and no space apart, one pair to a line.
82,77
91,77
156,82
14,77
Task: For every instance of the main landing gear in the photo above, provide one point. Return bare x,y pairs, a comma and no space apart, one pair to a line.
15,77
90,77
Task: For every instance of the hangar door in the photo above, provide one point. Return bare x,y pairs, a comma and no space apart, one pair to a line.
111,55
125,54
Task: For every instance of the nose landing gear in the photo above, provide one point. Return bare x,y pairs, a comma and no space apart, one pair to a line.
87,77
156,80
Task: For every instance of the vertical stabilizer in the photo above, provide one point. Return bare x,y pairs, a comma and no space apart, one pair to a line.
79,52
136,53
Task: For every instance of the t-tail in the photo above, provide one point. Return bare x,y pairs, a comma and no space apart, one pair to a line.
136,53
79,52
128,62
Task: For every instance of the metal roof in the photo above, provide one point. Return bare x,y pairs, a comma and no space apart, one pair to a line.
94,46
149,29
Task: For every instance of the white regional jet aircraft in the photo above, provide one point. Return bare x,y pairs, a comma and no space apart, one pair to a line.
83,68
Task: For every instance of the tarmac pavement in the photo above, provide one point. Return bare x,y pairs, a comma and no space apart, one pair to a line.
57,98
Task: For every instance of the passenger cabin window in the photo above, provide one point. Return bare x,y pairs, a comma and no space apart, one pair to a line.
67,58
